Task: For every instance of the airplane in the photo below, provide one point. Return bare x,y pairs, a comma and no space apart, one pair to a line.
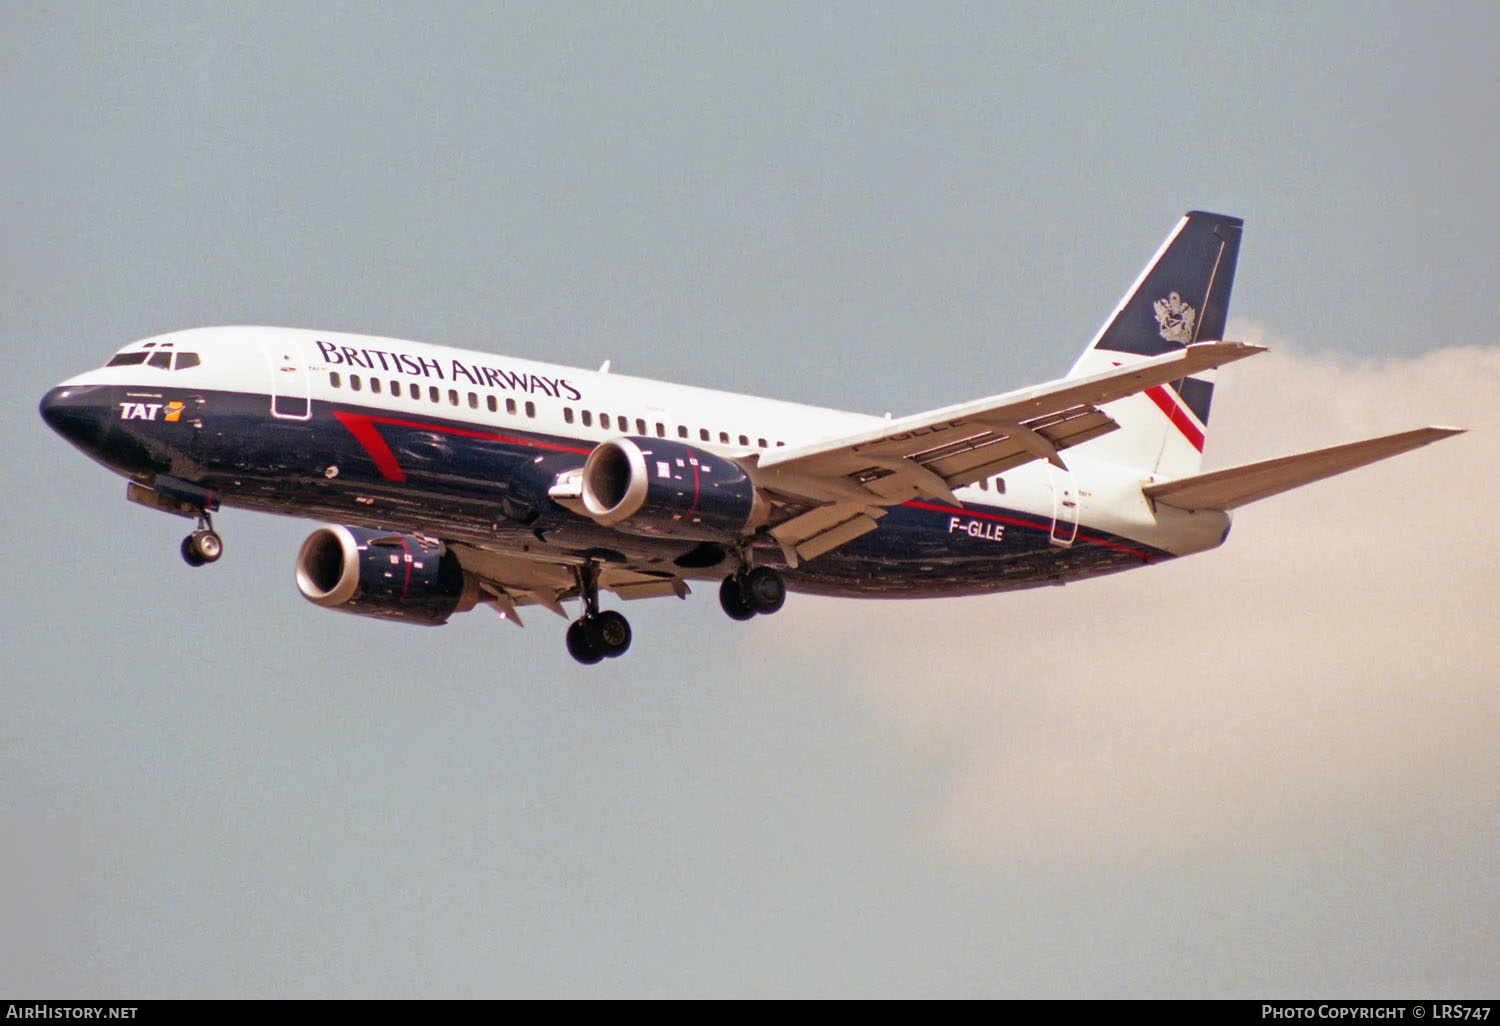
455,478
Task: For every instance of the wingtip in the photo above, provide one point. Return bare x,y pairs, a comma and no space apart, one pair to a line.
1248,348
1226,352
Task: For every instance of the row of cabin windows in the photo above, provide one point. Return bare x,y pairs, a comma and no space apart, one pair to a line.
435,394
622,423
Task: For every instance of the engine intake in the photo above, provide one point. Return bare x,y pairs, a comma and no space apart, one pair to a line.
383,574
653,486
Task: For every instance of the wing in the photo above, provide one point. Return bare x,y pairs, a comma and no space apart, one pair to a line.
836,489
508,581
1228,489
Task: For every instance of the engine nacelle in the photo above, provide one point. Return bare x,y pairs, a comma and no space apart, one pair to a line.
383,574
658,487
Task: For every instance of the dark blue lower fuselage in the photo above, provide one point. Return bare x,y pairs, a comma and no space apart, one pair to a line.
487,486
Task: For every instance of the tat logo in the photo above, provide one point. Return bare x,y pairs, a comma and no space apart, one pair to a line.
149,411
139,411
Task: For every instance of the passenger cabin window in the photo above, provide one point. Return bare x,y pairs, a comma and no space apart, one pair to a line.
661,430
452,397
588,419
395,388
744,440
416,390
640,426
375,385
567,414
473,401
530,409
354,382
433,395
491,404
761,442
703,434
510,406
335,380
681,430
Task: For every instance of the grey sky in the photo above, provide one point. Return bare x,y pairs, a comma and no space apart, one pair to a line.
1267,770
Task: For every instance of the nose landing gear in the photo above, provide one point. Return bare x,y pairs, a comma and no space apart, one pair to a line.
184,499
204,545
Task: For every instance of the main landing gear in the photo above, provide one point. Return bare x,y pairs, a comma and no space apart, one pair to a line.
204,545
595,635
748,592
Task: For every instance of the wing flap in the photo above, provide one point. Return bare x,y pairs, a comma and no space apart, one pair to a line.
822,528
1228,489
631,584
509,581
1013,445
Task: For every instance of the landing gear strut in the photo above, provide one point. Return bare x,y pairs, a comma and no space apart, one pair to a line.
595,635
748,592
204,545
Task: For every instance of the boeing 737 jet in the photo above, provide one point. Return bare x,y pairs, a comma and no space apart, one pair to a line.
457,478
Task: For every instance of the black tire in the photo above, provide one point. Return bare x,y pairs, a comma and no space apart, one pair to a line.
583,644
190,552
732,598
764,590
612,632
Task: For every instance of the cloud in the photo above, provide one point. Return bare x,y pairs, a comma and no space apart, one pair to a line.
1333,662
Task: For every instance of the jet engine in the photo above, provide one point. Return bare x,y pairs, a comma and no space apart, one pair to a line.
653,486
383,574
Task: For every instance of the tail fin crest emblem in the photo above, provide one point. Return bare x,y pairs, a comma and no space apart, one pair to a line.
1176,319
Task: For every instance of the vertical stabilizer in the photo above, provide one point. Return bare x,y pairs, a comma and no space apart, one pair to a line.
1181,297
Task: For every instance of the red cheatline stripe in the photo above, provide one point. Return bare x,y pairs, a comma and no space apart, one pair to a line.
364,433
362,427
1092,539
1177,415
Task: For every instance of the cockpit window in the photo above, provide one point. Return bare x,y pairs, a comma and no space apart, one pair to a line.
163,359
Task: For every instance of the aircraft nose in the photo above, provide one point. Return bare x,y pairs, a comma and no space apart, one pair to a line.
74,414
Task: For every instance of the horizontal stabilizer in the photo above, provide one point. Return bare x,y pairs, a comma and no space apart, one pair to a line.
1227,489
